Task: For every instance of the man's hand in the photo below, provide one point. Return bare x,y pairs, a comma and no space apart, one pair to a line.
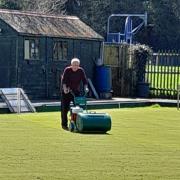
66,89
86,90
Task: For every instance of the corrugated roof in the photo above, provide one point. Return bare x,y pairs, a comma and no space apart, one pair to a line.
48,25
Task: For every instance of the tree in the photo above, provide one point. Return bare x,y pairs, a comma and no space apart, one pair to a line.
164,14
45,6
163,31
9,4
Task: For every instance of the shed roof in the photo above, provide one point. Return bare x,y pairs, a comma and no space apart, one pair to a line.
48,25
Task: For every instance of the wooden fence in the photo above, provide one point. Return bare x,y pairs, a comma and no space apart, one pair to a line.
162,71
119,57
163,74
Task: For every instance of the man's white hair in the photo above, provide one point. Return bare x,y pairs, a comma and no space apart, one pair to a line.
75,60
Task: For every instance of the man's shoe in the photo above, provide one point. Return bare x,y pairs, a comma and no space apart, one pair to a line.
65,128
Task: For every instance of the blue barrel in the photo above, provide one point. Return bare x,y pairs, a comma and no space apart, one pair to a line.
103,80
143,90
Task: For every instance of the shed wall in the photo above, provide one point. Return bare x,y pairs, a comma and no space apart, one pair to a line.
8,68
41,78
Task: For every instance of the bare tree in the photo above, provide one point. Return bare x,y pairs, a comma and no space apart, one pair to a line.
50,7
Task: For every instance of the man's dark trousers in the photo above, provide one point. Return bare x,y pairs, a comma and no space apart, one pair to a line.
65,106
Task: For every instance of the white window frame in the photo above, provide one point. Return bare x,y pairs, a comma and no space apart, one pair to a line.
60,50
31,49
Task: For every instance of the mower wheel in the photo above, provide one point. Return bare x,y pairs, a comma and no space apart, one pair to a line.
71,126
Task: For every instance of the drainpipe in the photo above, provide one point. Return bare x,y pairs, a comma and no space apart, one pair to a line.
16,65
46,66
102,52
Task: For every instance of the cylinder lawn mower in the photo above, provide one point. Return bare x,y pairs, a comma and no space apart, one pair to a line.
81,120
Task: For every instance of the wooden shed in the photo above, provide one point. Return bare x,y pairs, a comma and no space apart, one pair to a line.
35,48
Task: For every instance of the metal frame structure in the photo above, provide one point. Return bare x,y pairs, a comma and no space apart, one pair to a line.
128,28
16,100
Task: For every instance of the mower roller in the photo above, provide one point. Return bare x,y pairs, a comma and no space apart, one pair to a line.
83,121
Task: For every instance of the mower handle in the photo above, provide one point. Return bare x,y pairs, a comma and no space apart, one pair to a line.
73,94
79,100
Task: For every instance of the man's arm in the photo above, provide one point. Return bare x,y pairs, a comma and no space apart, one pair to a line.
64,80
85,81
65,89
83,76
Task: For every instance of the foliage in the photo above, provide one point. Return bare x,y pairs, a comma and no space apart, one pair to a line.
155,106
164,16
43,6
141,55
9,4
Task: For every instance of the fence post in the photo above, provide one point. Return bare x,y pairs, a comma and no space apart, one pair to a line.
178,94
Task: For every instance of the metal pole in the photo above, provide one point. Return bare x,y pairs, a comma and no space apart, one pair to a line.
102,53
178,94
18,101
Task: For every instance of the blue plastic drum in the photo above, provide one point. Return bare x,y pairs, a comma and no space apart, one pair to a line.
103,80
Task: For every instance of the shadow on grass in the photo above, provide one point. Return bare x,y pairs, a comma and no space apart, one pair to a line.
94,133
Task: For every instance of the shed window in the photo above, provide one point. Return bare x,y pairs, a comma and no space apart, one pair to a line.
31,49
60,51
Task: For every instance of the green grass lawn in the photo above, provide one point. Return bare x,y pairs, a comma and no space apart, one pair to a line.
144,143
